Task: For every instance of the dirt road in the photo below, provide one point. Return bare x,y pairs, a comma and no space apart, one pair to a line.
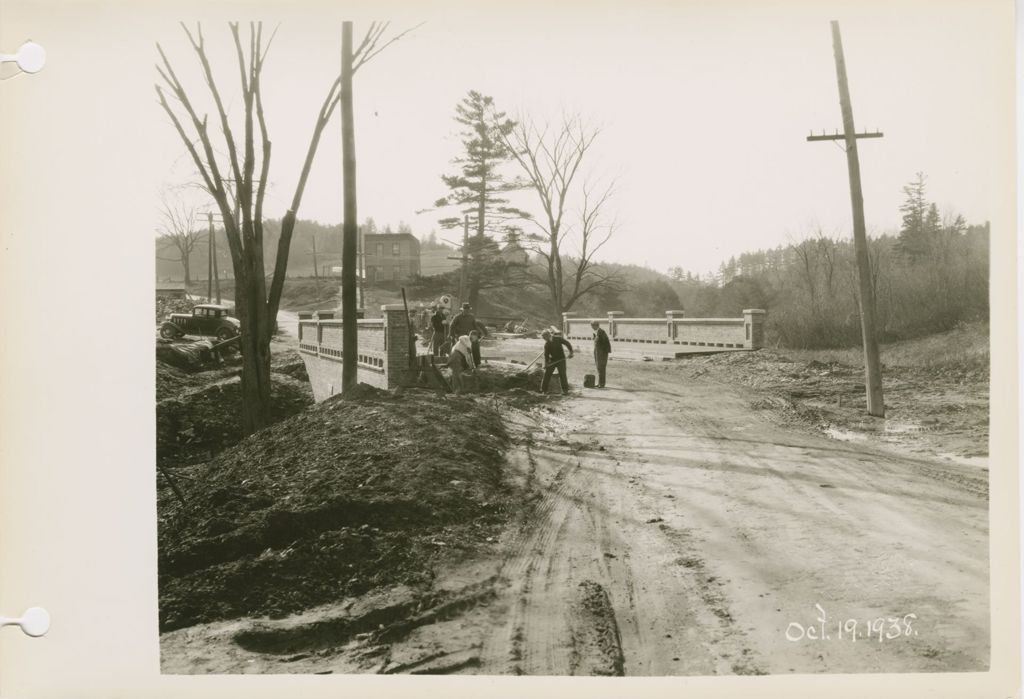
711,530
679,531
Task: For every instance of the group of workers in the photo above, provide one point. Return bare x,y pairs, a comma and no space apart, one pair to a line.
555,359
461,341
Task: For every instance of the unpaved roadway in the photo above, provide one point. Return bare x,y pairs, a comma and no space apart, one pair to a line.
712,528
677,530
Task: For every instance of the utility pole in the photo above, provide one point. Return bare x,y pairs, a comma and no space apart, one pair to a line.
350,234
316,271
865,296
362,269
465,248
209,261
216,274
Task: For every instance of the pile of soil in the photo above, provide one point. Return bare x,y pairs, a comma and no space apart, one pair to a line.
289,362
167,306
202,422
494,377
192,355
359,491
199,414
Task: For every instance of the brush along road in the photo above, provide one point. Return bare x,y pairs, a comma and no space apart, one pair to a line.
675,530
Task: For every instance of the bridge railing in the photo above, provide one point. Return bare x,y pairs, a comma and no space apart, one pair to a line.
674,332
383,358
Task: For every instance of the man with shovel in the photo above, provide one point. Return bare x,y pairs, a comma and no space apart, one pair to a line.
554,360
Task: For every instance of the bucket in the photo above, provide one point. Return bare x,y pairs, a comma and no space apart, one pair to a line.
589,381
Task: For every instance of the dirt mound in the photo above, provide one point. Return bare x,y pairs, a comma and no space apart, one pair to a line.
504,377
290,363
167,306
171,380
200,415
353,493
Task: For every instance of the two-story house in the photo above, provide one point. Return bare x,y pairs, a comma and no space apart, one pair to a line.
390,256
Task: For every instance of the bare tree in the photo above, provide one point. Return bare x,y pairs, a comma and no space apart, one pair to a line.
551,161
256,305
177,230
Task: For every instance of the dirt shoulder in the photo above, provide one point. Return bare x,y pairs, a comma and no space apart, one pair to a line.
936,393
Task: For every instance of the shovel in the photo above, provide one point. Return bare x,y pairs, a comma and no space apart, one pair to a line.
527,367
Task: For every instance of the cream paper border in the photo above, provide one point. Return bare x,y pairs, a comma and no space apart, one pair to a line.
77,505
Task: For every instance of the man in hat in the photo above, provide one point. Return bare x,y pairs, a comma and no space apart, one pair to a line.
554,360
464,323
602,348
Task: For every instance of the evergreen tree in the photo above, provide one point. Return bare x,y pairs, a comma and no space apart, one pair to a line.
477,188
918,222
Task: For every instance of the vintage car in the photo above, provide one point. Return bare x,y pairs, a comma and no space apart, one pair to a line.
205,319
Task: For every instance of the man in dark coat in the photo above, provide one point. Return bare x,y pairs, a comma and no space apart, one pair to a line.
464,323
437,324
602,348
554,360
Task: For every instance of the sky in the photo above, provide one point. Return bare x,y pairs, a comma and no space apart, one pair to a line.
704,109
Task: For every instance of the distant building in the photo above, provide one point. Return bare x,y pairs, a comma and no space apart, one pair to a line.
170,290
391,256
514,253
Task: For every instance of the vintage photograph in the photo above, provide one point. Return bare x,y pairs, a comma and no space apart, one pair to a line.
650,340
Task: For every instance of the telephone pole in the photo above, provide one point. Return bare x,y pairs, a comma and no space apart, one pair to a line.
209,261
350,232
360,254
316,271
865,296
465,248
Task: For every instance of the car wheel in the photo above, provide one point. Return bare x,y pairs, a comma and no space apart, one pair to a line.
169,331
225,334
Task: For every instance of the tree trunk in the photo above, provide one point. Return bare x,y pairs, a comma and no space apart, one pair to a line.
255,346
349,338
188,276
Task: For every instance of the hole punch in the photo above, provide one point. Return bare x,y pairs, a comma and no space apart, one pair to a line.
34,622
30,57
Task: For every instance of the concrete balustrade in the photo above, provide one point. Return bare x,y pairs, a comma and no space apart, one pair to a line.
672,335
383,359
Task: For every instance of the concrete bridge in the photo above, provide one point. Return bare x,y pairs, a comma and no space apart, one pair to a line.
673,335
384,343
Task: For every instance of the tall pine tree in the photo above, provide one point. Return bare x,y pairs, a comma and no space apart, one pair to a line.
477,188
920,221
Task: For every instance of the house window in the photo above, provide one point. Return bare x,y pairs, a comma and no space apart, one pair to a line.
380,249
396,272
395,249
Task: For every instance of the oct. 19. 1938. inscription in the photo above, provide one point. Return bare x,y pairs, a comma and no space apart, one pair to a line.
826,628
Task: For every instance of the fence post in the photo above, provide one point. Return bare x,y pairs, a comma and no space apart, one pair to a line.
396,344
566,315
670,316
753,322
612,329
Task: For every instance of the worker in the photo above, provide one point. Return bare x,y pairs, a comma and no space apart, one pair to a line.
474,342
602,348
460,362
437,324
554,360
464,323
